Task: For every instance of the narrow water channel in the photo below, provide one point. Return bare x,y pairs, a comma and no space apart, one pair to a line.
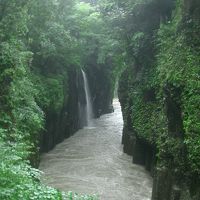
92,162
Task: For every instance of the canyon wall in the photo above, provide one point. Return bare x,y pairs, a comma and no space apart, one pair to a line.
63,121
159,95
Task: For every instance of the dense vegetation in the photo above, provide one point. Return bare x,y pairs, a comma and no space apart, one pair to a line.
159,93
43,46
40,43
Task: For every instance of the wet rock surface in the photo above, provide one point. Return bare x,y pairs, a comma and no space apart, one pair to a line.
92,161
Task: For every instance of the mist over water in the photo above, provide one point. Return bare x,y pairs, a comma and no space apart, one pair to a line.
92,162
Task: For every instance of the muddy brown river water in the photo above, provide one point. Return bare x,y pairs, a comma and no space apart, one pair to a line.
92,162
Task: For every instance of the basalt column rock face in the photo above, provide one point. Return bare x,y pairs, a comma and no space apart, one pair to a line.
62,123
65,122
140,149
101,89
158,97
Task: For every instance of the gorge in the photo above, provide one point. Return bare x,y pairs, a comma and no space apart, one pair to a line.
92,161
60,61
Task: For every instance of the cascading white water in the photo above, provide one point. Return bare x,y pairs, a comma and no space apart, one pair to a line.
89,110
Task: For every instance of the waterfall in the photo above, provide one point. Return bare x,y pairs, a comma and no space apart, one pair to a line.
89,110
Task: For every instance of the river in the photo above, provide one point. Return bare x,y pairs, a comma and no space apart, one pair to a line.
92,162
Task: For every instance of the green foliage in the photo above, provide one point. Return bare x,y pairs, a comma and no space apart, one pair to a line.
13,19
17,179
51,94
40,41
149,121
168,66
74,196
178,64
20,112
20,181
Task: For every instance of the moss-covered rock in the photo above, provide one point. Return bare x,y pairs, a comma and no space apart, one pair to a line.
159,94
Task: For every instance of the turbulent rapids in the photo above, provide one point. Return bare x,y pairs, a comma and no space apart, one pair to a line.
92,162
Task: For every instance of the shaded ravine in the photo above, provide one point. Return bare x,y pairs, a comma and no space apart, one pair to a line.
92,161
